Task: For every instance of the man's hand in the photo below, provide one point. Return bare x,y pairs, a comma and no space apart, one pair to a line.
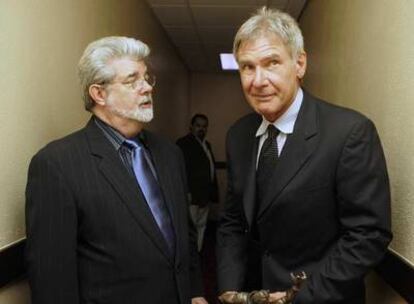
233,297
227,297
274,297
198,300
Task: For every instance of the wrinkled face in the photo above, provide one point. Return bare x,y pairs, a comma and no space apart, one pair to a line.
199,128
270,77
129,95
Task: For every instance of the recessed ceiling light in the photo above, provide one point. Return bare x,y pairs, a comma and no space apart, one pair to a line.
228,62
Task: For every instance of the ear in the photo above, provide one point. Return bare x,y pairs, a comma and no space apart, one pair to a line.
98,94
301,62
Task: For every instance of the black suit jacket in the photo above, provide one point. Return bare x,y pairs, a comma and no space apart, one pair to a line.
202,188
327,213
91,238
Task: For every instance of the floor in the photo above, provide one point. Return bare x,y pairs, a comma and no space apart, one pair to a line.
208,263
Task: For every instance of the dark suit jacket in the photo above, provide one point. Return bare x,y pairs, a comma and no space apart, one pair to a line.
91,237
203,190
327,213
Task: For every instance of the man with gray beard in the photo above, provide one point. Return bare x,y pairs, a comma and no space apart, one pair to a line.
106,207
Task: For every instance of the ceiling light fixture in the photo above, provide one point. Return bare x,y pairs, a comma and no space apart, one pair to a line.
228,62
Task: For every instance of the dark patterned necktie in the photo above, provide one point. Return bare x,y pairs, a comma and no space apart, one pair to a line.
152,192
269,155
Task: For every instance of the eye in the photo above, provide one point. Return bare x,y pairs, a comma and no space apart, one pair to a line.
129,80
273,62
246,68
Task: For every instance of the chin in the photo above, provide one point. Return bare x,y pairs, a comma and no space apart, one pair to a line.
139,115
144,115
270,116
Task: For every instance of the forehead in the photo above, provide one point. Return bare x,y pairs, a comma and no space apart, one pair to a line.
200,121
126,66
263,46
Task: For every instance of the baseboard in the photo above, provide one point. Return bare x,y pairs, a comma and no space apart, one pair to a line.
12,265
398,274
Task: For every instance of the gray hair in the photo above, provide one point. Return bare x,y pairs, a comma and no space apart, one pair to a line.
93,66
271,21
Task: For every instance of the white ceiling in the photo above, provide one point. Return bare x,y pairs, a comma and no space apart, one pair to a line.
201,29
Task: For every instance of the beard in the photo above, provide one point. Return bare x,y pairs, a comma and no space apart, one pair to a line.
138,114
201,135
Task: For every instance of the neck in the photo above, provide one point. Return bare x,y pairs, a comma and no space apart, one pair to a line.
126,126
275,116
200,139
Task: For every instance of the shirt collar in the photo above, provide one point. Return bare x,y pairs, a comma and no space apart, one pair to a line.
116,138
198,139
286,122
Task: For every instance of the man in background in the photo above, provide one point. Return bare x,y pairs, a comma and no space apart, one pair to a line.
307,180
106,207
201,174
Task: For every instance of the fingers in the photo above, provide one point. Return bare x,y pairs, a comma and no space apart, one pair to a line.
198,300
233,297
278,297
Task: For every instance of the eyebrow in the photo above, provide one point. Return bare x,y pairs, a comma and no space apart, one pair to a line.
241,62
132,75
263,59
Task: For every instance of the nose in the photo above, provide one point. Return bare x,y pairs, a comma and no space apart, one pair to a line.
260,77
146,88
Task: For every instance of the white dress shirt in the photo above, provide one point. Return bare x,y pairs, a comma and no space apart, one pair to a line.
285,124
208,154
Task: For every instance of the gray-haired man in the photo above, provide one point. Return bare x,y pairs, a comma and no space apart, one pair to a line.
307,180
106,210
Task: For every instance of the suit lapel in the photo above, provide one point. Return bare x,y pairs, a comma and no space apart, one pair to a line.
249,195
297,150
197,145
114,171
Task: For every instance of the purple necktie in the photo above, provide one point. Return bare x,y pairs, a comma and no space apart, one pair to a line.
152,192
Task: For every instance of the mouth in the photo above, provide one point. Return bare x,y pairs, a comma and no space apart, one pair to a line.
263,97
146,104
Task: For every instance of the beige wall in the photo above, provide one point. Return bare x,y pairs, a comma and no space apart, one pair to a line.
379,292
361,56
220,97
40,44
16,293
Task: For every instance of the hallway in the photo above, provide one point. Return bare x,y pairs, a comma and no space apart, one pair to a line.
360,56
